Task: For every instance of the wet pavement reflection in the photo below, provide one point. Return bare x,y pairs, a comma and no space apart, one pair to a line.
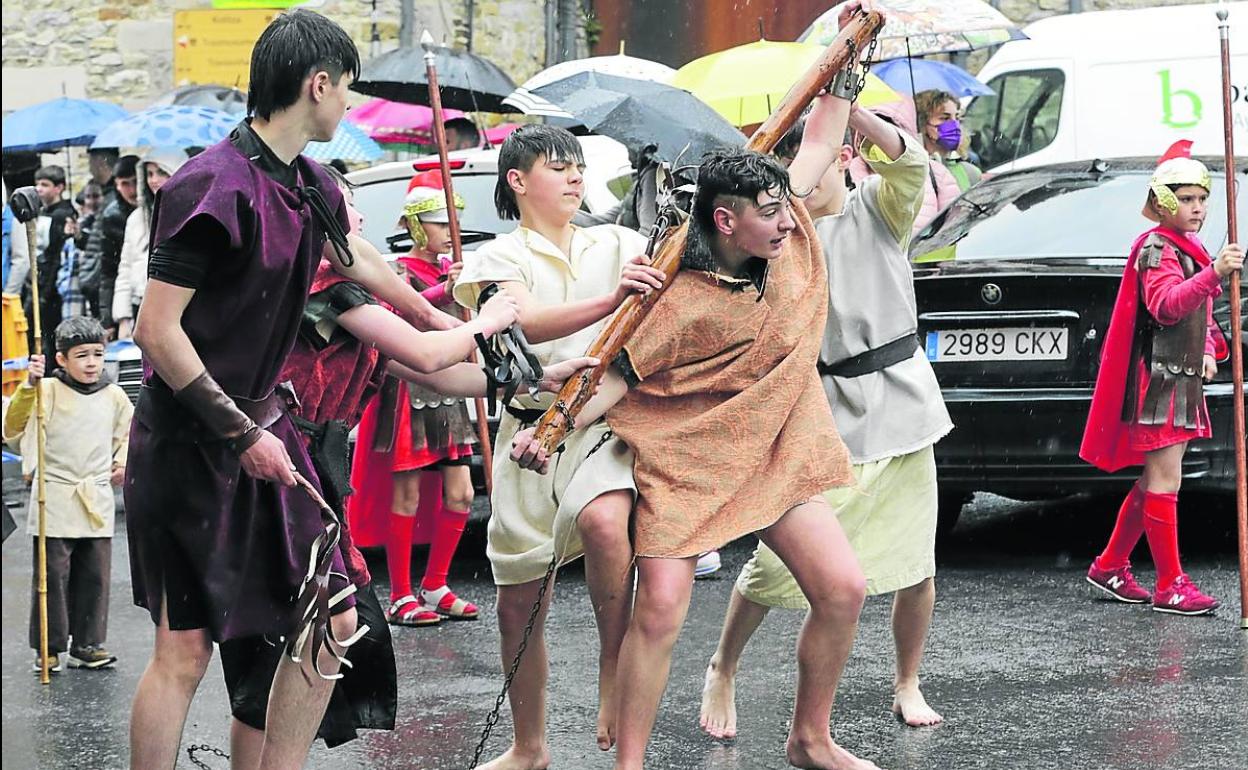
1029,669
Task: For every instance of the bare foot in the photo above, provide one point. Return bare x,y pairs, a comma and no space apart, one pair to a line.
719,704
911,708
606,706
515,759
823,754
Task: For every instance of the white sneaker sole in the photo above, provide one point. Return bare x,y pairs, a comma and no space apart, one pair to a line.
1122,599
1188,613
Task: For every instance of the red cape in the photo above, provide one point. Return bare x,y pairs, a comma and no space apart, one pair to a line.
1105,438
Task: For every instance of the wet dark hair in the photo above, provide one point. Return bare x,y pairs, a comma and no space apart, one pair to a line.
789,143
127,167
520,151
79,330
54,174
339,178
296,44
736,172
465,127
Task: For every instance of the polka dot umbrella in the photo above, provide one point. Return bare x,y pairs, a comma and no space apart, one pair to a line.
179,125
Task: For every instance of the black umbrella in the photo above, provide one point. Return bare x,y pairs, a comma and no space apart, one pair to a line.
641,112
222,98
466,81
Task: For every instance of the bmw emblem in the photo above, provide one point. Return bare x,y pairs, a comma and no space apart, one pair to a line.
990,293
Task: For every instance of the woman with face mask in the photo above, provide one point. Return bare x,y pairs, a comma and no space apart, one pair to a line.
942,134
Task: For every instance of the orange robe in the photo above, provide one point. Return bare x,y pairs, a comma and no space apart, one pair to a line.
730,424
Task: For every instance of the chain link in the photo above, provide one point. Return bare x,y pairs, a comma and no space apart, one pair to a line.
190,753
492,719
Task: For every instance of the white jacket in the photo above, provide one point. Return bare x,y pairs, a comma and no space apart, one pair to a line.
132,269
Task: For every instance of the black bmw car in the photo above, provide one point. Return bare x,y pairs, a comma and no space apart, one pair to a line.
1016,282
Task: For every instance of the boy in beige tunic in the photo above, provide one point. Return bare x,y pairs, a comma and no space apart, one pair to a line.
88,430
567,280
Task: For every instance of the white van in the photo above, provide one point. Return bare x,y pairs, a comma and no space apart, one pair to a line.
1111,84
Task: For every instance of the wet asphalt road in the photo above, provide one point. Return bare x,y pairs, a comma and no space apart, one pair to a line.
1030,670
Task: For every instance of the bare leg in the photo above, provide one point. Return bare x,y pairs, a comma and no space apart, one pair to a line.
912,616
164,695
664,587
603,525
246,743
527,696
297,702
719,704
1163,469
810,542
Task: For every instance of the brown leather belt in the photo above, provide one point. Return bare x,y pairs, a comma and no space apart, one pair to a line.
161,412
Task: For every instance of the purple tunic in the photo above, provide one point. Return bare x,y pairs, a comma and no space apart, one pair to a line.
227,551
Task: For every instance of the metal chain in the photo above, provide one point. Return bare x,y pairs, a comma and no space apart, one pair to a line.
190,753
492,719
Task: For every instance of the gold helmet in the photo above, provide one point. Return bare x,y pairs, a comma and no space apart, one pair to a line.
426,202
1176,167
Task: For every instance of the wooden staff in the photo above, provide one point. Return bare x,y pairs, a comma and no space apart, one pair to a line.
457,247
559,419
1237,344
25,205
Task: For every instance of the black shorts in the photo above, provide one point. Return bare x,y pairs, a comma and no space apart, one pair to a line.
366,696
448,462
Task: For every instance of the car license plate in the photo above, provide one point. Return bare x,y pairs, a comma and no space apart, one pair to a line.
1010,344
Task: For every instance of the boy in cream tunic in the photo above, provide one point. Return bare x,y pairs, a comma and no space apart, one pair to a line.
568,281
88,431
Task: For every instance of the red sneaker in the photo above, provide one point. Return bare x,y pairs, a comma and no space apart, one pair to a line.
1118,583
1184,598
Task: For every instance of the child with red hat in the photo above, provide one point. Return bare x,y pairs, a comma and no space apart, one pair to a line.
1149,400
416,477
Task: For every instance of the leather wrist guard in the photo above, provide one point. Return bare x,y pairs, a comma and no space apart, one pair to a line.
218,412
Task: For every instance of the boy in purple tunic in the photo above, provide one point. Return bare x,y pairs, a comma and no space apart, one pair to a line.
220,538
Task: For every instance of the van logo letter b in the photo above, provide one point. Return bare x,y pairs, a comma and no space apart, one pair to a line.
1168,95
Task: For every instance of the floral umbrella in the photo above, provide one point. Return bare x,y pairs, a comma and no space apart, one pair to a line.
922,27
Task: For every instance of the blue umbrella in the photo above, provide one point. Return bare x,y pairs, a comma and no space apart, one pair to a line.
349,143
178,125
929,75
57,124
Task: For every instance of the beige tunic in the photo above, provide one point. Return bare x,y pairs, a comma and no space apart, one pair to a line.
86,436
533,516
729,423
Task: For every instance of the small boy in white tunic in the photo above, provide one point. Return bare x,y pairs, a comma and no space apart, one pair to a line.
888,409
88,431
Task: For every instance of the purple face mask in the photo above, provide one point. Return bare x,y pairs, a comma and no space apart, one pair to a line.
949,134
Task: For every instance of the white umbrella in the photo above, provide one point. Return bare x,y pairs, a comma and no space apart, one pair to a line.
922,27
618,65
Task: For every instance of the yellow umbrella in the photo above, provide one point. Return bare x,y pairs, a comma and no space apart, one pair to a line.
746,83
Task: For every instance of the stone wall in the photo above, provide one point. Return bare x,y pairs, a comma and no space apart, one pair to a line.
122,50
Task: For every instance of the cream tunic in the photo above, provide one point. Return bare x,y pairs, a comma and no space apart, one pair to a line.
86,436
534,515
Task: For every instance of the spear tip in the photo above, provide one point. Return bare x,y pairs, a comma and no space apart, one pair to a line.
426,39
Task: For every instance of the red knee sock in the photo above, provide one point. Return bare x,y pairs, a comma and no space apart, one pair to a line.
1161,524
448,528
1127,531
399,555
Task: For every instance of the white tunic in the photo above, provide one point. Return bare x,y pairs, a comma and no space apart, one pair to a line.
86,436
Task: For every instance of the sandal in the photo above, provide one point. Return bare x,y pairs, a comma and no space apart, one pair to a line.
413,615
444,602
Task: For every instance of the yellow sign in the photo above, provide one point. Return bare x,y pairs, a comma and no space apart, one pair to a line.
214,46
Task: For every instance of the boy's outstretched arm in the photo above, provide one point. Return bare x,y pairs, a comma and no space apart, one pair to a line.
542,323
426,351
821,142
371,271
527,452
468,380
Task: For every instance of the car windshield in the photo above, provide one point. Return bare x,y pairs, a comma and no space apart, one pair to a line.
381,203
1045,215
